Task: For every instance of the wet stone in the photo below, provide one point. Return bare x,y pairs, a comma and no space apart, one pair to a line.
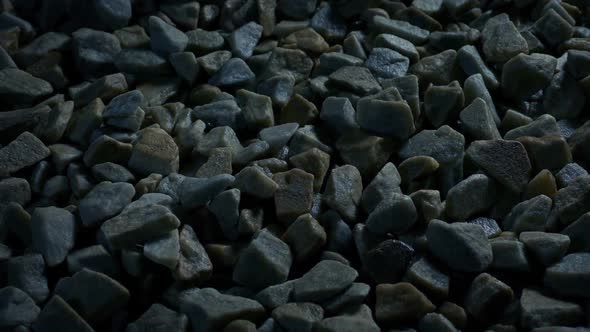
305,236
487,297
400,303
462,246
105,201
386,118
270,255
539,310
323,281
469,197
159,318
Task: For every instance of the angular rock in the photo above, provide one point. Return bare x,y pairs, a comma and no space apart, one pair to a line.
294,196
194,263
58,314
569,276
305,236
53,233
195,192
471,62
539,310
158,318
569,173
186,66
307,40
435,322
298,316
386,118
24,151
529,215
366,152
469,197
154,152
387,63
358,80
243,40
324,280
254,181
299,110
95,52
20,87
164,38
539,149
524,75
545,125
478,122
344,190
442,103
124,111
105,201
257,110
235,72
509,256
112,172
400,303
94,258
440,69
345,324
226,209
276,295
164,251
395,214
16,308
399,28
579,233
313,161
388,261
487,297
553,28
501,40
27,273
572,201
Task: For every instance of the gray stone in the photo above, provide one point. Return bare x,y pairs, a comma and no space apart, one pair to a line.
487,297
195,192
124,111
256,150
307,40
94,258
278,88
235,72
244,39
505,161
112,14
164,250
440,69
353,295
478,122
20,87
387,63
462,246
294,196
442,103
501,40
276,295
27,273
469,197
313,161
397,44
214,310
569,276
529,215
386,118
323,281
471,62
105,201
429,278
553,28
133,36
95,52
288,62
400,303
226,209
308,137
17,308
358,80
579,233
569,173
272,259
53,233
366,152
202,42
338,115
39,47
299,110
344,190
329,23
138,225
185,15
345,324
383,185
219,113
154,152
395,214
257,110
572,202
186,66
254,181
564,97
213,61
388,261
194,263
540,148
509,256
112,172
432,322
524,75
15,190
58,314
24,151
158,318
539,310
219,162
399,28
101,301
140,62
305,236
545,125
298,316
546,248
164,38
474,87
64,154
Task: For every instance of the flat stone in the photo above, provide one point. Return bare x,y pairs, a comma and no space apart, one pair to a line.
501,40
194,263
17,308
158,318
195,192
298,9
305,236
244,39
442,103
94,258
400,303
112,172
307,40
214,310
529,215
524,75
53,233
400,45
133,36
164,251
202,41
141,62
352,296
324,280
57,314
219,113
235,72
95,52
344,190
105,201
399,28
505,161
288,62
386,118
477,121
138,225
20,87
579,233
96,303
345,324
154,152
487,297
164,38
226,209
571,202
270,255
539,310
395,214
387,63
388,261
24,151
462,246
469,197
294,196
358,80
569,173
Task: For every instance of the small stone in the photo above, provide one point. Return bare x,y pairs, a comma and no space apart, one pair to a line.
63,154
57,314
454,313
124,111
96,303
440,69
240,325
214,310
338,115
428,204
112,172
154,152
95,52
17,308
344,190
400,303
323,281
250,221
427,277
542,184
553,28
579,233
432,322
569,173
442,103
524,75
194,263
569,276
387,63
27,273
24,151
358,80
226,209
235,72
105,201
276,295
545,125
529,215
278,88
195,192
353,295
308,137
329,23
539,310
158,318
471,62
298,316
305,236
506,161
185,15
133,36
388,261
257,110
278,136
509,256
164,251
462,246
539,149
298,9
290,63
501,40
307,40
186,66
487,297
313,161
299,110
112,14
272,258
345,324
294,196
94,258
213,61
474,87
386,118
471,196
203,42
563,98
399,28
571,202
219,162
254,181
546,248
222,113
141,62
164,38
478,122
365,152
395,213
138,225
386,182
15,190
397,44
243,39
53,233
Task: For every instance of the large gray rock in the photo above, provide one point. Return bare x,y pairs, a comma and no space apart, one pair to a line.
27,273
164,38
569,276
58,315
487,297
539,310
158,318
154,152
323,281
53,233
24,151
344,190
469,197
400,303
386,118
20,87
105,201
194,263
394,214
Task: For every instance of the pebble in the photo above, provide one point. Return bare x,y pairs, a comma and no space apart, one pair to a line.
569,173
307,40
305,236
154,152
579,233
225,208
159,318
288,62
388,260
294,195
344,190
356,79
298,316
471,62
13,158
270,255
323,281
94,258
568,276
235,72
501,40
95,52
366,152
345,324
442,103
469,197
386,118
509,255
524,75
164,251
395,214
545,125
462,246
387,63
429,278
478,122
570,202
440,69
400,303
164,38
539,310
546,248
487,297
105,201
195,192
20,87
